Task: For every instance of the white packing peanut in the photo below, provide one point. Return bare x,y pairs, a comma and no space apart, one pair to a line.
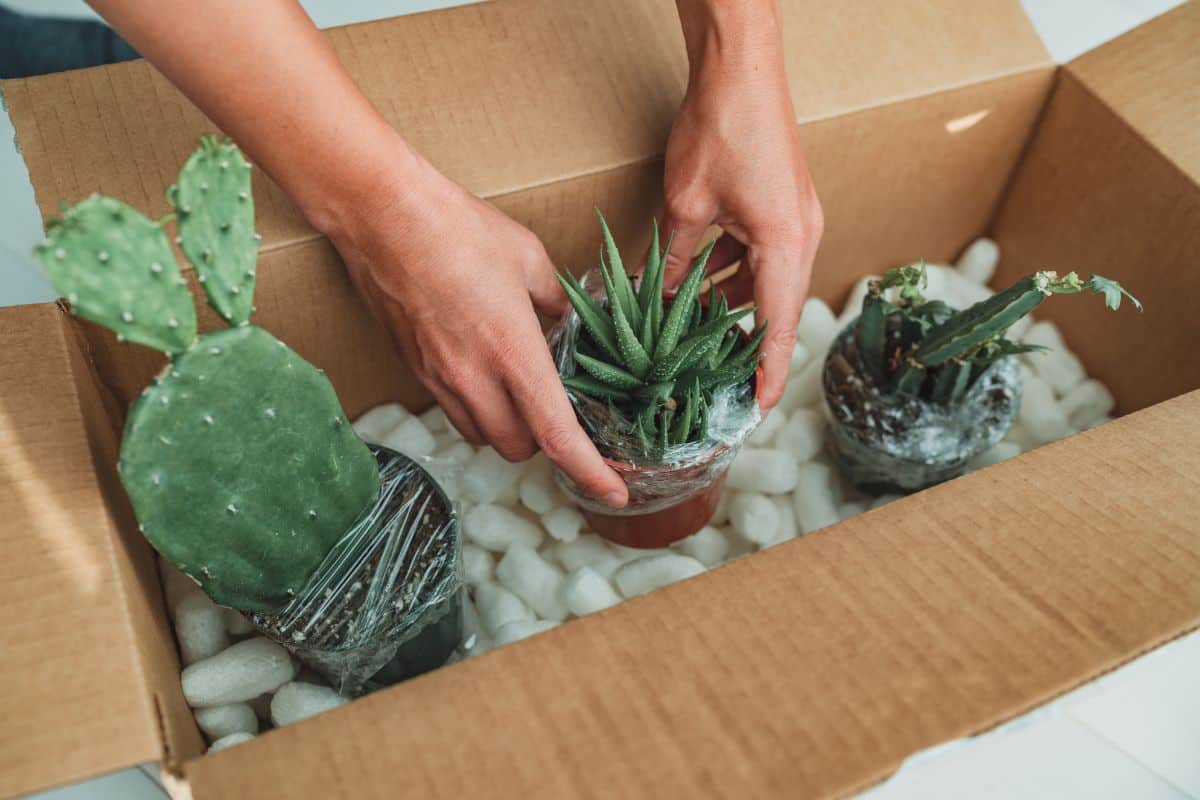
586,591
707,545
848,510
563,523
1001,451
1040,414
761,470
444,441
651,572
522,629
800,356
767,429
458,451
965,291
476,638
803,435
220,721
817,325
883,500
755,518
1016,332
435,420
175,582
235,622
478,564
237,674
813,499
1087,404
803,389
1020,437
537,490
379,421
978,262
527,575
494,528
489,476
410,438
1060,369
296,701
588,550
721,513
1043,334
1100,421
199,627
627,554
788,528
498,607
226,742
747,323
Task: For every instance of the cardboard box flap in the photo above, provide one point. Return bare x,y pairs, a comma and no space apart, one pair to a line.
75,700
553,90
1151,78
811,669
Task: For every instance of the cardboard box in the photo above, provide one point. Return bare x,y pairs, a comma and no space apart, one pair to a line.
811,669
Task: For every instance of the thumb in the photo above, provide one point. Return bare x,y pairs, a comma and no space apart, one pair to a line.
684,236
544,289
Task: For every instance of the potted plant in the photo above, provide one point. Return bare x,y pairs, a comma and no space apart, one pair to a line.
664,383
915,388
238,459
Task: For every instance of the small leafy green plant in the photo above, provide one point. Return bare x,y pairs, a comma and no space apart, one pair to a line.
657,360
923,348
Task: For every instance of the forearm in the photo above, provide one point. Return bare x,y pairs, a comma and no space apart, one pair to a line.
264,73
741,37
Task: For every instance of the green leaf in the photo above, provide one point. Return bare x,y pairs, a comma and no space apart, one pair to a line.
633,355
653,268
681,306
607,373
619,289
592,315
748,351
1112,292
594,388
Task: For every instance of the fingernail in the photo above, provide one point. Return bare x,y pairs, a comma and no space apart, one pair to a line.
615,499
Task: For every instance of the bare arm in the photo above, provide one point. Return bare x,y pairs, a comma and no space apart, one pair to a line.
416,244
734,159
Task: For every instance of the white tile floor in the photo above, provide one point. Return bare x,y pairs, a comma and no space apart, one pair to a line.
1132,734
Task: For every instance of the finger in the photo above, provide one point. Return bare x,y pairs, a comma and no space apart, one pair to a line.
738,288
544,289
456,412
727,250
780,285
685,240
541,400
493,411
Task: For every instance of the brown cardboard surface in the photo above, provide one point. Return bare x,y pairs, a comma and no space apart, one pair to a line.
811,669
74,700
558,89
1111,184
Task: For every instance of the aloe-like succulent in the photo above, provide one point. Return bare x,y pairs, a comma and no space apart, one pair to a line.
923,348
240,463
657,359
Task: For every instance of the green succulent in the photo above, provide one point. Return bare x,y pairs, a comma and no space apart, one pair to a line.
924,348
657,360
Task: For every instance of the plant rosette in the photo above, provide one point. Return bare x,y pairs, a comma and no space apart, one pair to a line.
238,459
665,385
915,388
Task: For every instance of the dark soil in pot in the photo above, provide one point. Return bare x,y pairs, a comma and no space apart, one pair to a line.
386,603
887,442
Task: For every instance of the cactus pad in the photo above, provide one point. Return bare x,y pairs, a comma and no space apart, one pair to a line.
215,209
242,468
115,267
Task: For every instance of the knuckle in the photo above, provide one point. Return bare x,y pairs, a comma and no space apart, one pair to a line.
555,439
514,448
687,206
458,378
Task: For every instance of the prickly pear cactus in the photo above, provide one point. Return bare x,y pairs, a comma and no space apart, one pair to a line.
239,461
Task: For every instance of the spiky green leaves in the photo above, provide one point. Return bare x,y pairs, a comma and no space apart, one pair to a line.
215,209
657,364
1112,292
243,469
115,267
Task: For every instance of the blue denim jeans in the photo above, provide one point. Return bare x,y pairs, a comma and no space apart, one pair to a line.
37,45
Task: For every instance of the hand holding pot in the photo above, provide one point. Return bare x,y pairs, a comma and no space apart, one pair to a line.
457,282
734,160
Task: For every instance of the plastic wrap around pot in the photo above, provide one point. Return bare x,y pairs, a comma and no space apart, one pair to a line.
385,604
886,442
658,478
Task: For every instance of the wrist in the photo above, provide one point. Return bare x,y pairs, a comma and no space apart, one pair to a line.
734,39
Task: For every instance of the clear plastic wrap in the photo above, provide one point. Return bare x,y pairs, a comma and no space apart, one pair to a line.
660,478
888,443
385,604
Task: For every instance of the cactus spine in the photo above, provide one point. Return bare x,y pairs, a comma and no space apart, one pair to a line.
924,348
238,459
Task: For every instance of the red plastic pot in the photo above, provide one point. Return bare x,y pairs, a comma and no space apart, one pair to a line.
661,528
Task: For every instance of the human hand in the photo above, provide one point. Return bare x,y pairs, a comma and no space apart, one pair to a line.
734,160
456,282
